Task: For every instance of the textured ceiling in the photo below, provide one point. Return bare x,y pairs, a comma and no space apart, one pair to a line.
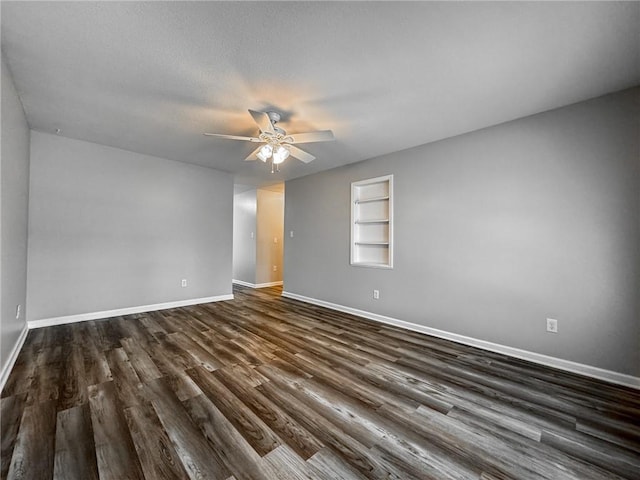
151,77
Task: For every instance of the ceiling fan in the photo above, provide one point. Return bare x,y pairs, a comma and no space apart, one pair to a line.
278,145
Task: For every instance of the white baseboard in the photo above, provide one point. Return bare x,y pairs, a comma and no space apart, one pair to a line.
47,322
574,367
13,356
257,285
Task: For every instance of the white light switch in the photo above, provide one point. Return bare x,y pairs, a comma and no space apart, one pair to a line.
291,234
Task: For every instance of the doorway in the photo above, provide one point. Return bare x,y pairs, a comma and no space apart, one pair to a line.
258,231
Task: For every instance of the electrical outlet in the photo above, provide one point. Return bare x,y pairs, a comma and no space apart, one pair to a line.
18,309
291,234
275,239
184,282
251,234
275,268
552,325
376,294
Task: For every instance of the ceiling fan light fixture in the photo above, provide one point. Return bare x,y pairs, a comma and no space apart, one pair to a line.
278,145
265,152
280,155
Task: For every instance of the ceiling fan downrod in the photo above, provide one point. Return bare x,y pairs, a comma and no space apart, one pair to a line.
275,117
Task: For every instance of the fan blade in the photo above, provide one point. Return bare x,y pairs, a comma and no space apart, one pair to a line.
320,136
300,154
263,121
254,155
232,137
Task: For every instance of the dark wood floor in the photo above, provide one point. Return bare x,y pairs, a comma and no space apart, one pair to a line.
264,387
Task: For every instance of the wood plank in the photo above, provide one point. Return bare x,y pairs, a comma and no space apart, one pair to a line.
343,382
411,463
23,371
235,452
140,360
183,386
330,466
195,453
619,461
252,351
73,388
11,410
33,455
218,322
133,329
353,452
184,324
243,374
200,354
216,345
615,436
573,467
250,426
115,451
107,337
295,436
127,383
284,464
152,326
162,322
45,384
333,405
453,392
158,457
96,367
75,452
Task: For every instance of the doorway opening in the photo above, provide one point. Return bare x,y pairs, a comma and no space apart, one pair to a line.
258,235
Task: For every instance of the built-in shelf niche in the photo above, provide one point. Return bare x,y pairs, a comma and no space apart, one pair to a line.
372,222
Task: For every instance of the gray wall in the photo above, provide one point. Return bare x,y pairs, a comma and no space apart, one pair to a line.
14,200
112,229
495,231
244,236
270,219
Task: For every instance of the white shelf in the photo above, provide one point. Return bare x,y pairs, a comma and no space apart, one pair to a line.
372,222
374,265
380,220
373,199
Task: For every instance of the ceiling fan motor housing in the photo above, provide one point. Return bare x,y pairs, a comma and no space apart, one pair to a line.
275,118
